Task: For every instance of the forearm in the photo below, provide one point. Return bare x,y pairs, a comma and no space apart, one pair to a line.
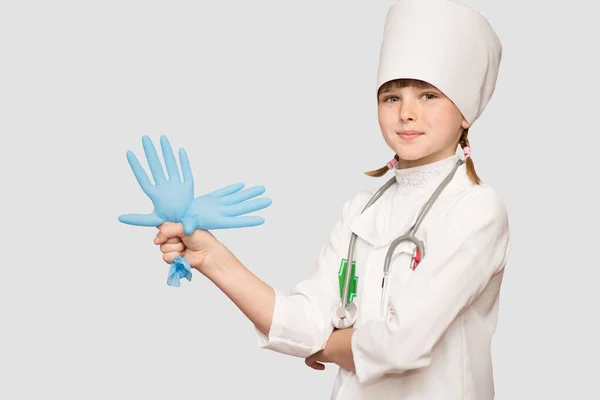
251,295
343,353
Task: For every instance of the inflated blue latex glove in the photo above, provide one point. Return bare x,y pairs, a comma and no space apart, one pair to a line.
173,201
171,197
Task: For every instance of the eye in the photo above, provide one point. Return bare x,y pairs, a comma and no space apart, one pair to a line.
429,96
387,99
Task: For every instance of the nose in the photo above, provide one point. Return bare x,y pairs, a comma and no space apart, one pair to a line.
407,111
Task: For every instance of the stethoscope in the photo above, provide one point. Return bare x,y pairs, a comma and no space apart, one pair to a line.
344,315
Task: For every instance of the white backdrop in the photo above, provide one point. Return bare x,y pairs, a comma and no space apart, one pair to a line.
280,94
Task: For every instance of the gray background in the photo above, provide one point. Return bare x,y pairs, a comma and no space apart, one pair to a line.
270,93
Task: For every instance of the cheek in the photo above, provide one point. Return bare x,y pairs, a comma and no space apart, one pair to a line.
385,117
381,119
437,117
447,121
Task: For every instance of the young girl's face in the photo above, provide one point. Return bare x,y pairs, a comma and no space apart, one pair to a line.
421,125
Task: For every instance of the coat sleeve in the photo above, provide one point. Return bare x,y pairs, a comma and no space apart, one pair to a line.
301,321
462,256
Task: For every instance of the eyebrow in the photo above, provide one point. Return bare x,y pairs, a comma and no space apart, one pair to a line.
389,89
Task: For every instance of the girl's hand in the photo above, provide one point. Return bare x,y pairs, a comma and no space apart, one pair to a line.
171,248
338,350
200,248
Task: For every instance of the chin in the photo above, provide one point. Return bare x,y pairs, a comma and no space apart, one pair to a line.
411,154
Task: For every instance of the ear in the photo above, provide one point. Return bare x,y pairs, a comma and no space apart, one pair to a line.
465,124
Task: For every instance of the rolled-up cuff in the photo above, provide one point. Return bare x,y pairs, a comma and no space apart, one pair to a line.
283,336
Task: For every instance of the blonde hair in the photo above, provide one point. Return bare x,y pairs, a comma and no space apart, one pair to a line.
463,141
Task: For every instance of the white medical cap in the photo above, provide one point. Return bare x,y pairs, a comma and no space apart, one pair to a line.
448,45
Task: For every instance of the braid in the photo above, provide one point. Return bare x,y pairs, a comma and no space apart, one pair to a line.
381,171
464,142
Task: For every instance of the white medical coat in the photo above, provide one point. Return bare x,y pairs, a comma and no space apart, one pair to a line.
435,343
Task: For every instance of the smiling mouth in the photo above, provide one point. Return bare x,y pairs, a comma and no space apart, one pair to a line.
409,135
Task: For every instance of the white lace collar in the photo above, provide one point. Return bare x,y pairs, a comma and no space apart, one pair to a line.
424,176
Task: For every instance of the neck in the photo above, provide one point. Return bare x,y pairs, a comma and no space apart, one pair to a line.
431,158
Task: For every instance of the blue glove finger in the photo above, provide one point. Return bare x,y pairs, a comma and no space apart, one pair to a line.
141,219
246,207
139,172
240,222
243,195
153,161
169,158
189,225
227,190
186,169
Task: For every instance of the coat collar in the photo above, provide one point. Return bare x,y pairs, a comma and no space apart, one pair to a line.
397,209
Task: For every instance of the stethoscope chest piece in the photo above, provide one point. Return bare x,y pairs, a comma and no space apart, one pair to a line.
344,317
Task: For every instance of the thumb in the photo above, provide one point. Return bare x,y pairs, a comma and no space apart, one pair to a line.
167,231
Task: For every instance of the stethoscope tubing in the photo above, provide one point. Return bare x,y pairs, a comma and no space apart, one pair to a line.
408,236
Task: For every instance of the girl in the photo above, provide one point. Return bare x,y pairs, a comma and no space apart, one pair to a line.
428,334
